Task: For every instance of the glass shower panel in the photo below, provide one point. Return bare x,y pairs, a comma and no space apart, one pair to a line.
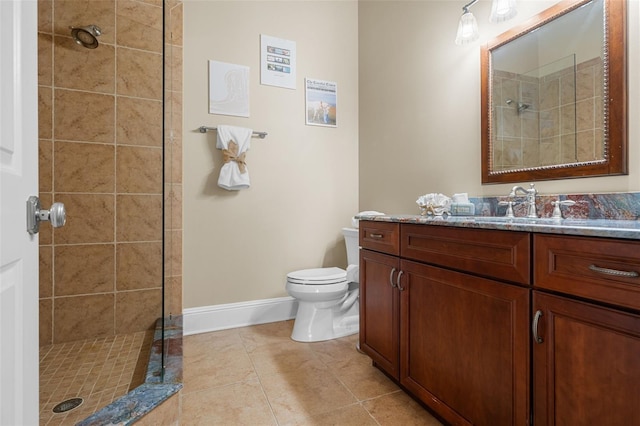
172,92
556,107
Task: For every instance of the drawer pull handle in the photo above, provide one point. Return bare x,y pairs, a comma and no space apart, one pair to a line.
614,272
398,281
391,278
375,236
534,327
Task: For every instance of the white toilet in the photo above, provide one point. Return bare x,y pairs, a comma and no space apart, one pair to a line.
327,298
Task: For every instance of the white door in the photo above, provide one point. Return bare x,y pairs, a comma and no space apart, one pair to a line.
18,180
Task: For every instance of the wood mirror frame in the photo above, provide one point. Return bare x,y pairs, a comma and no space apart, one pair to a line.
614,103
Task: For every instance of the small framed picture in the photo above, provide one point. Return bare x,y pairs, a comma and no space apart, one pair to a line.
321,99
228,89
277,62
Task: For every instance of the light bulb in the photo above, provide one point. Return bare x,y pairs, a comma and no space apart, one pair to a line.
502,10
467,29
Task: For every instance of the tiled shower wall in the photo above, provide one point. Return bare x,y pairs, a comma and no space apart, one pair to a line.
551,130
100,153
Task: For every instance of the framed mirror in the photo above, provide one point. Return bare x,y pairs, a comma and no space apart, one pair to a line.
554,95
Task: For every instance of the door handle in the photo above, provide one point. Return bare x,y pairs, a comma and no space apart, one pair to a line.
391,277
614,272
398,280
534,327
57,215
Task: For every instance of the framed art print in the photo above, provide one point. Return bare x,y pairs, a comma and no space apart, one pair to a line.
321,99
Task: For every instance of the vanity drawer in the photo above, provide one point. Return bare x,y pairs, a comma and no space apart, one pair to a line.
602,269
504,255
380,236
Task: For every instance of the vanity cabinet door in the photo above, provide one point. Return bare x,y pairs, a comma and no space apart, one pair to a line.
379,305
586,363
464,345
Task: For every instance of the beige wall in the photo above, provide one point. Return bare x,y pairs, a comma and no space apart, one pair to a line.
239,246
420,105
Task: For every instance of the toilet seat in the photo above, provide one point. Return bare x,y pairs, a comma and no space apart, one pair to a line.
317,276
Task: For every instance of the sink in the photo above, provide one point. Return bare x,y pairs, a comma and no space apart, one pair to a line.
549,221
511,219
493,218
523,220
601,227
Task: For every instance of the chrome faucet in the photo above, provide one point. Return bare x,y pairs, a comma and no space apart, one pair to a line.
531,198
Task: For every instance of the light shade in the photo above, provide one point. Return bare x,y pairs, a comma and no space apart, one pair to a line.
502,10
467,29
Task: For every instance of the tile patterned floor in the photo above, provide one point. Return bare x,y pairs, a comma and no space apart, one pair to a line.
99,371
245,376
258,376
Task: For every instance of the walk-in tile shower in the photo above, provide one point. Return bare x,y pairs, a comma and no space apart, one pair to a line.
109,96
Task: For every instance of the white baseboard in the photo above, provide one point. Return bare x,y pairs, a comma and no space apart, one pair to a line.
231,315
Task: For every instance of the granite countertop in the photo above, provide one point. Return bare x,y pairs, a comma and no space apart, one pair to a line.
627,229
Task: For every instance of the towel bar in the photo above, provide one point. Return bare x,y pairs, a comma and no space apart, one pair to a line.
205,129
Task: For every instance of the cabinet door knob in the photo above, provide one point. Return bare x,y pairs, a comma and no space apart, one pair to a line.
398,280
534,327
391,277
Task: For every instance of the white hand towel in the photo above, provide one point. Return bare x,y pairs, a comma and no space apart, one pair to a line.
234,174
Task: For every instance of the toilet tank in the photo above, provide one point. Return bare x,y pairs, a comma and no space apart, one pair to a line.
351,241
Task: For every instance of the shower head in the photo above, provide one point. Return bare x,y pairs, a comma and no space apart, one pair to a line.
521,106
86,36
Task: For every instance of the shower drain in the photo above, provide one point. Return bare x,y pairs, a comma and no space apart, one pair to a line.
68,405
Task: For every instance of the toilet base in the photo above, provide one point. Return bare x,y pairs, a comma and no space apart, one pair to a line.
314,324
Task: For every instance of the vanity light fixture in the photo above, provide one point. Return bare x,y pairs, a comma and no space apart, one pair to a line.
468,26
501,10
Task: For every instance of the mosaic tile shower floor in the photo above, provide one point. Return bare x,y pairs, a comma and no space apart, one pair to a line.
98,370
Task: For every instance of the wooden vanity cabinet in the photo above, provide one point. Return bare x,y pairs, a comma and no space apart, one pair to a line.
464,346
457,341
492,327
379,296
586,350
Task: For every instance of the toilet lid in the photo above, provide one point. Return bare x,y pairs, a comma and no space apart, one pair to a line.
317,276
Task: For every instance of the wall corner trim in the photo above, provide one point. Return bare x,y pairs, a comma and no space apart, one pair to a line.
232,315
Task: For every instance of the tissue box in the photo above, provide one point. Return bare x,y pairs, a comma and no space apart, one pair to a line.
463,209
